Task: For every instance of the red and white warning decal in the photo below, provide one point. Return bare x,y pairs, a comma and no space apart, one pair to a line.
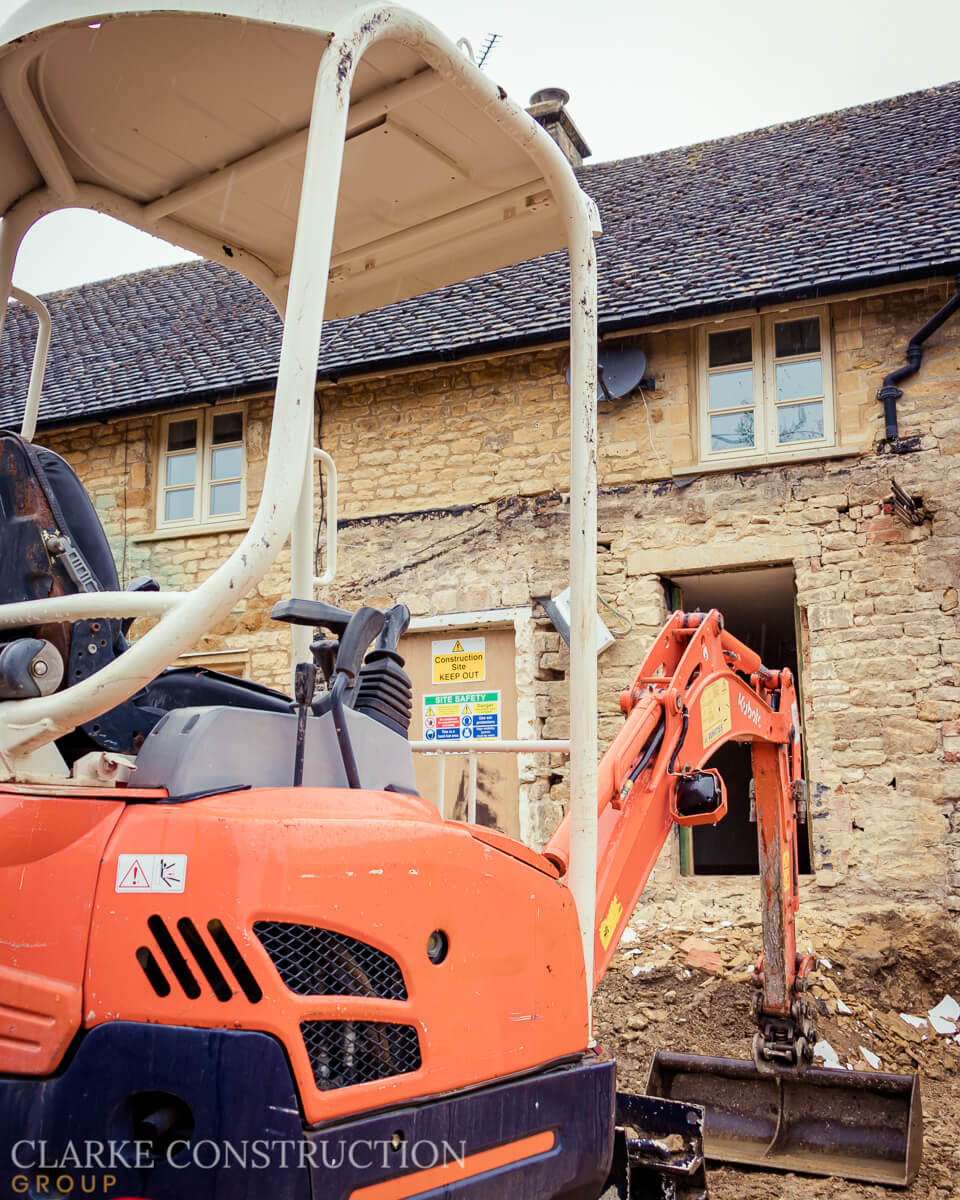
151,872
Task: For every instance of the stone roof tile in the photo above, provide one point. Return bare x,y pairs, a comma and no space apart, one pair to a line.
823,204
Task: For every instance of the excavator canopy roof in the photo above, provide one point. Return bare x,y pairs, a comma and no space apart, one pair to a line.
193,124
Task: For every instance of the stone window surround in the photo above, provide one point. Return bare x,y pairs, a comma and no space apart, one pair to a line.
202,523
762,327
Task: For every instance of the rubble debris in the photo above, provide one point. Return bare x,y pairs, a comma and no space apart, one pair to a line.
870,1058
880,972
944,1017
860,1032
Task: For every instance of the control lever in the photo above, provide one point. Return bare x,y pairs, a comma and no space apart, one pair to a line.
394,627
314,613
324,653
384,691
305,680
365,624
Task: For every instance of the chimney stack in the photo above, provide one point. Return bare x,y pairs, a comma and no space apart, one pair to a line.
548,108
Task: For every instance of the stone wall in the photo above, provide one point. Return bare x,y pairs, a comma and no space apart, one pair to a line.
453,485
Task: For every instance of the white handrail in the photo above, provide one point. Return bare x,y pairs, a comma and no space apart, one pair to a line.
28,426
517,746
472,753
330,507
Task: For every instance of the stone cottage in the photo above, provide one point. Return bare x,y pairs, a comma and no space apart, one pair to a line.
772,282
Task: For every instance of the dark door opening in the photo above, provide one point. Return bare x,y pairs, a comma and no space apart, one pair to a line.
759,608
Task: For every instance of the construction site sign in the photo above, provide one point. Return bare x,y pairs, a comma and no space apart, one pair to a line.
459,660
462,717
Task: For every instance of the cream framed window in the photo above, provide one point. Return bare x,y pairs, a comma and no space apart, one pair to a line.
766,387
202,468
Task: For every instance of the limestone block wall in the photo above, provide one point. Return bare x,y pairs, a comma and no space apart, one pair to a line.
453,484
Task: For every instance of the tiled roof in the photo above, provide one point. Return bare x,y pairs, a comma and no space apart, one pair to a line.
824,204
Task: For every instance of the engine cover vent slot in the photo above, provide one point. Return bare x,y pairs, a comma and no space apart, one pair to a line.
171,952
198,948
346,1053
320,962
153,971
234,960
203,957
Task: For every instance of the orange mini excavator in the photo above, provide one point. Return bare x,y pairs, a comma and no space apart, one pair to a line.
271,955
240,957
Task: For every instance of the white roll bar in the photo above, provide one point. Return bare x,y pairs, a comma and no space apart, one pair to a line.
29,425
85,606
286,505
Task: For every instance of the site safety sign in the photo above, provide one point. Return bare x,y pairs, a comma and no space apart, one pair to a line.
459,660
462,717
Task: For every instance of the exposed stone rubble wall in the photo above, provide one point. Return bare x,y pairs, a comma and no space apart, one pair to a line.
452,499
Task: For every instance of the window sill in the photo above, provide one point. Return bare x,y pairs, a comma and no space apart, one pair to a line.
754,461
190,531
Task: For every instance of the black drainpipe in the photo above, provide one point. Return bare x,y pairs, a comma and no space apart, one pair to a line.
888,393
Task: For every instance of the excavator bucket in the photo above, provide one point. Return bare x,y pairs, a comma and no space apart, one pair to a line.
854,1124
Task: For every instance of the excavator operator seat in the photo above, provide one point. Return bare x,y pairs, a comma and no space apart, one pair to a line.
53,544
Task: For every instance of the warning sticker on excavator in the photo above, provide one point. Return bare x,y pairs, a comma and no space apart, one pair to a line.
715,711
608,926
151,873
459,660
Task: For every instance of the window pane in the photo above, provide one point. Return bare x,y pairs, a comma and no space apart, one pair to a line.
181,435
800,422
227,463
732,389
797,380
224,499
797,337
181,469
731,346
731,430
178,506
227,427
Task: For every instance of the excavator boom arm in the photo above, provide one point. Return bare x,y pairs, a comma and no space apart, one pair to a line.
698,689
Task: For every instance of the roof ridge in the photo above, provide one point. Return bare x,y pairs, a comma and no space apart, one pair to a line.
778,127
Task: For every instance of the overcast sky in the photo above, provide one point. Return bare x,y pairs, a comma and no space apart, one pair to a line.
641,77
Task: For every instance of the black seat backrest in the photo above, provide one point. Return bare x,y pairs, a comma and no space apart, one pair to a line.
42,501
40,495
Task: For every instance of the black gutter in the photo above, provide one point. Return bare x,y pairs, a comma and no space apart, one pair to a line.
888,393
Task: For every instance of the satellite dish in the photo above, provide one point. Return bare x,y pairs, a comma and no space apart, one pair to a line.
619,371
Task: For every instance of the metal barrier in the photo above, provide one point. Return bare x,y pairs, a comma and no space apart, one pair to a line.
442,753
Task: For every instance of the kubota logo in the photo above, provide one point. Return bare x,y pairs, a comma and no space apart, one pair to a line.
749,710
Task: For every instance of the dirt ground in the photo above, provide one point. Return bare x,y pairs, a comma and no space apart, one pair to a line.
879,967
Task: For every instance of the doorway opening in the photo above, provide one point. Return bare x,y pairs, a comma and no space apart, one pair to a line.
759,607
